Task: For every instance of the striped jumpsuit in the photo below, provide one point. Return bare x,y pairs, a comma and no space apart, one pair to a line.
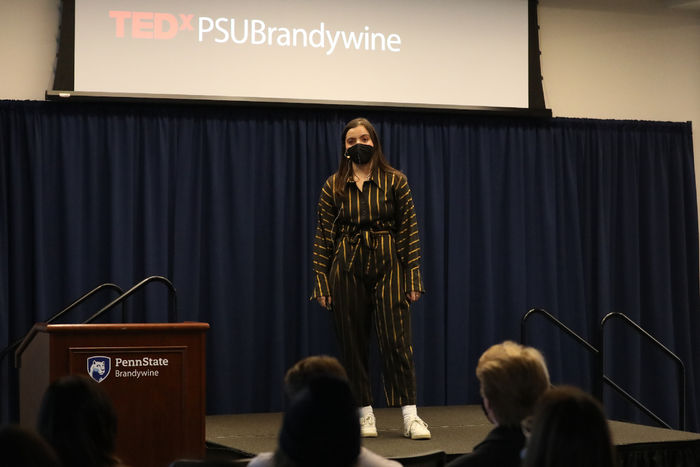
366,256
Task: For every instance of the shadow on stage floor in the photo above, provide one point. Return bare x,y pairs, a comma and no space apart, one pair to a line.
455,430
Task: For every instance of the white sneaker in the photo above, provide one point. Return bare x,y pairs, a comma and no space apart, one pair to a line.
368,426
415,428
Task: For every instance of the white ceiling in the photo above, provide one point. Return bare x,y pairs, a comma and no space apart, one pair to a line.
689,4
648,5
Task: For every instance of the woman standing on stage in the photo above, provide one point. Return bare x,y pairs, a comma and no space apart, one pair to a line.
366,260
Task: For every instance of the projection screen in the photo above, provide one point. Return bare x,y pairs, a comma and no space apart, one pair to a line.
442,53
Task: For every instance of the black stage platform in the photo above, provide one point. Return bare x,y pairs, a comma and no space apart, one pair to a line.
455,430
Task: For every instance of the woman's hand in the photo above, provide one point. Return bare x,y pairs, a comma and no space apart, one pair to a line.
325,302
413,296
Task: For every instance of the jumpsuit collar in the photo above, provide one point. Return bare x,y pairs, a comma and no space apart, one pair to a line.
373,177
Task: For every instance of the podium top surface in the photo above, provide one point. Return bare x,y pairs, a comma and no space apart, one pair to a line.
148,327
107,328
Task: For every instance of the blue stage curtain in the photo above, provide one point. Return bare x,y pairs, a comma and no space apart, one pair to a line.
580,217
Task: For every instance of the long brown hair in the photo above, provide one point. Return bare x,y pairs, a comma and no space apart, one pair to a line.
569,429
78,419
345,166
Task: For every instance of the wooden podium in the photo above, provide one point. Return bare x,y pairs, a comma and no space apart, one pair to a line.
154,374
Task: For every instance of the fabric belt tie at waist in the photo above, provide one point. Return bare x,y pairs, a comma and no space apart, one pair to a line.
367,237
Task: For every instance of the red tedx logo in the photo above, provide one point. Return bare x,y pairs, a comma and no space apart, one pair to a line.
149,24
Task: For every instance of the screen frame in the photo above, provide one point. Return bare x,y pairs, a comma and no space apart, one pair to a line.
63,86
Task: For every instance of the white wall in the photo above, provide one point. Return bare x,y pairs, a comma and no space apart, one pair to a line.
619,59
622,59
28,44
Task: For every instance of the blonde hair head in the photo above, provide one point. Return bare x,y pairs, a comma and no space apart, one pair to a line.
512,378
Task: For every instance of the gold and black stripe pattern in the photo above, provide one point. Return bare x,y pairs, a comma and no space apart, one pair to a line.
385,203
366,257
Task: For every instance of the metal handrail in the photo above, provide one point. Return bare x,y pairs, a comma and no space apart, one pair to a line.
14,345
681,367
558,324
172,314
598,389
635,402
602,378
85,297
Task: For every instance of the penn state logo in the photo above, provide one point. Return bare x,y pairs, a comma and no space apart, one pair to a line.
98,367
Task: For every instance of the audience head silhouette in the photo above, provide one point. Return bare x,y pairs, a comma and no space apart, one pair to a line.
77,418
310,368
569,429
23,448
512,378
321,426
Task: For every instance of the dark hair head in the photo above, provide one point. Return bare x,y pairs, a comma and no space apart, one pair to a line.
77,418
378,160
21,447
309,368
321,426
361,121
569,430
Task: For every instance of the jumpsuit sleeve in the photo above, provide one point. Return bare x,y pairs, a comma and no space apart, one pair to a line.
407,241
323,241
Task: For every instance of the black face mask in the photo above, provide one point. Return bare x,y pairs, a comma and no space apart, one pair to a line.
360,153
